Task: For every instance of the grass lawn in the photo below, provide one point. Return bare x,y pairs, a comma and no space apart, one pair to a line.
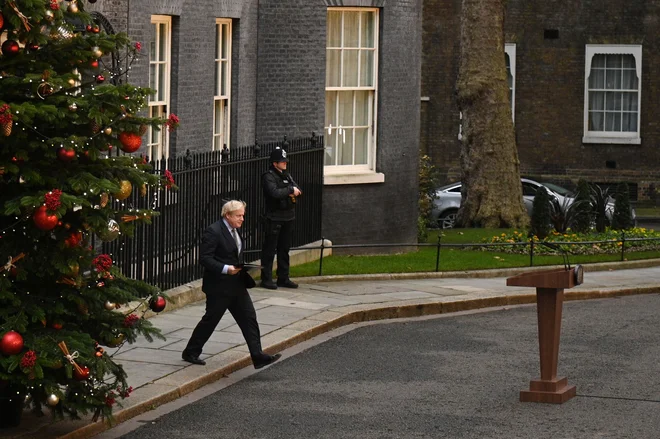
451,259
649,211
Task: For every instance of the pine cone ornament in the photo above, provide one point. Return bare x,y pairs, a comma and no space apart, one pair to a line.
6,129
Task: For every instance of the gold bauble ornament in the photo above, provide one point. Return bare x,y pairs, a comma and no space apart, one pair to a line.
45,89
49,16
73,107
110,306
125,189
111,231
57,365
73,7
53,400
108,131
96,51
72,82
75,269
119,339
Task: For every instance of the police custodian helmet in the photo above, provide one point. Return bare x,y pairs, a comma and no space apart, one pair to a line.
278,155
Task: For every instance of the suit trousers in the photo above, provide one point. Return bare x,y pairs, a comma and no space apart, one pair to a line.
277,240
241,308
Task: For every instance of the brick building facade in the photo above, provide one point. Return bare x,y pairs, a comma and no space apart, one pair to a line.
606,51
277,83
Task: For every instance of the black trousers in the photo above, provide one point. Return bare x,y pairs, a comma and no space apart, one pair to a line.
241,308
277,239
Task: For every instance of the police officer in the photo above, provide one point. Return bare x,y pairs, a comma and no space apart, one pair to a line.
280,192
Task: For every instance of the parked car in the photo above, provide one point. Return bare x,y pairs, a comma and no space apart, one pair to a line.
448,200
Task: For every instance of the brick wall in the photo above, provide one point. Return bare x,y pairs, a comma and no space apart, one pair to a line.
278,89
291,69
549,86
193,70
387,212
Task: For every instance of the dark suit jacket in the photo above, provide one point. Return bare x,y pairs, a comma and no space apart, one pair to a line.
217,250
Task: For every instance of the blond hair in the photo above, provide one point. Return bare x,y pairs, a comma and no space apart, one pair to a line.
232,206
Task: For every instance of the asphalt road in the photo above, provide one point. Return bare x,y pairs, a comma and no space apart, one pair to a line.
449,377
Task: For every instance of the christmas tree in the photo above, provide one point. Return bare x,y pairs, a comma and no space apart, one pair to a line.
65,111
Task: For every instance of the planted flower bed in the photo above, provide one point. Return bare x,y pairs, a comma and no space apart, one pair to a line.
608,242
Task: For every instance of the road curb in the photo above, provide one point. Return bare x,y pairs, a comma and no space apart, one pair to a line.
374,313
192,292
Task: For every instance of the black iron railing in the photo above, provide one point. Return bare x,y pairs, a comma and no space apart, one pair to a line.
166,253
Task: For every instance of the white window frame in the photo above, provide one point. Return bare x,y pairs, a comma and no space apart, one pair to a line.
225,132
510,50
609,137
364,173
158,139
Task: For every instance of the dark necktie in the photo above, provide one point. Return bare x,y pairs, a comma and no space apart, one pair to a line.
237,240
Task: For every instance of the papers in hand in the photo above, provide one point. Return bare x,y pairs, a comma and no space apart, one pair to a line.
249,266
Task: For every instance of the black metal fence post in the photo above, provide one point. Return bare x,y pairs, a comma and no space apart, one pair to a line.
437,254
531,251
321,257
623,245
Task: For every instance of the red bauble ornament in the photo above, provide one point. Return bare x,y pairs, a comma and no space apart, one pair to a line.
33,47
10,47
43,220
73,240
96,29
157,303
2,21
100,79
88,28
11,343
94,63
66,155
130,142
82,375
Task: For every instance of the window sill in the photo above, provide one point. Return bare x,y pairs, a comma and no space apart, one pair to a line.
363,178
613,140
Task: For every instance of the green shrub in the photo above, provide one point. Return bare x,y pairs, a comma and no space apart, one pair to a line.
622,217
584,216
427,187
599,198
540,225
563,214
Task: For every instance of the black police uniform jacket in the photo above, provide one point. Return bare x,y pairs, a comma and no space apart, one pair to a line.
277,187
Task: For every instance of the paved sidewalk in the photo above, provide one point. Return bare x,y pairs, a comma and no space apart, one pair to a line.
287,317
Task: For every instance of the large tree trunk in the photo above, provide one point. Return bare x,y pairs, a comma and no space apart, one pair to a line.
491,190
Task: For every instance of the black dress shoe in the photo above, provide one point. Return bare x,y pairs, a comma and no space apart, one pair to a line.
287,283
265,360
193,359
268,284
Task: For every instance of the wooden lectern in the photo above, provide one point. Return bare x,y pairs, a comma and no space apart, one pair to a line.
550,285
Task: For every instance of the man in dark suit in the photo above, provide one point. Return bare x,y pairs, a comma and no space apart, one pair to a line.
225,287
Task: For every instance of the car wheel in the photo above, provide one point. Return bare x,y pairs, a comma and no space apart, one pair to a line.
447,219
